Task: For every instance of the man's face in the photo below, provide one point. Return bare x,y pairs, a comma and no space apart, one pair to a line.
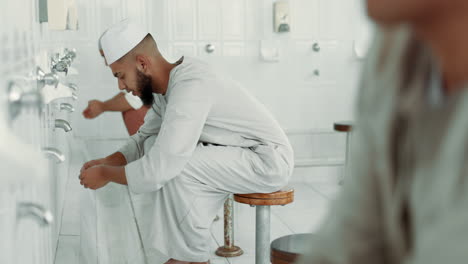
133,81
390,12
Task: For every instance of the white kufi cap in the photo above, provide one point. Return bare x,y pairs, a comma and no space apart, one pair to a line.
120,39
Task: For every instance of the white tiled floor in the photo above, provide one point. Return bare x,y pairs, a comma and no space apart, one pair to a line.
304,215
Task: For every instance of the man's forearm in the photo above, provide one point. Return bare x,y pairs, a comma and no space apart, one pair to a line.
116,174
116,159
115,170
117,103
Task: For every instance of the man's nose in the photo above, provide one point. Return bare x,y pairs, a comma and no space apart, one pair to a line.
122,85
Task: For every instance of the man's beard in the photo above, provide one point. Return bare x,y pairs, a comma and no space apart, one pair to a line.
145,88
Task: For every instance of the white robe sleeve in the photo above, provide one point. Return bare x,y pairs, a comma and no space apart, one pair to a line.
184,119
133,148
134,101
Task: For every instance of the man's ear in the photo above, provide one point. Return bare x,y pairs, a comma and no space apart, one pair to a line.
142,63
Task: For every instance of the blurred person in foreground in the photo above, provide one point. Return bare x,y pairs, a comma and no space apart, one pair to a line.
406,199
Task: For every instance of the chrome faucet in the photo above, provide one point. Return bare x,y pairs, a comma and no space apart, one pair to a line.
63,124
74,96
44,79
68,107
73,86
70,53
53,152
60,66
34,211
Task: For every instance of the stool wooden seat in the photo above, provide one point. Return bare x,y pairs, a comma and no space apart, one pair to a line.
343,126
262,202
281,197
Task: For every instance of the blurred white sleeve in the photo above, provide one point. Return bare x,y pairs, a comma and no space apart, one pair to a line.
134,101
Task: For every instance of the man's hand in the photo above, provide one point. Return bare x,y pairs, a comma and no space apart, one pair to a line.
92,163
95,108
116,159
94,177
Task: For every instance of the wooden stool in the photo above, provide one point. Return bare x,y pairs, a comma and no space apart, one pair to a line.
286,250
343,126
347,127
263,201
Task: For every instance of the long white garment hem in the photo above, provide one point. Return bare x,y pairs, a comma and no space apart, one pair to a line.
175,220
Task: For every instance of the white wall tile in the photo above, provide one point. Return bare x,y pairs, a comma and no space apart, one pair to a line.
304,18
158,18
233,49
333,18
183,49
183,19
135,10
253,20
209,23
233,19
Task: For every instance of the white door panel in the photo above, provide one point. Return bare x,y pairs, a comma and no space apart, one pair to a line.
208,19
183,19
233,19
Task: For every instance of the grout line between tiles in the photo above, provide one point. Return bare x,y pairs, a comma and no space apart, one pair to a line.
283,222
317,191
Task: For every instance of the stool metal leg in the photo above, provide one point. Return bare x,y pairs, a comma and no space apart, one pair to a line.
262,235
348,148
346,165
229,249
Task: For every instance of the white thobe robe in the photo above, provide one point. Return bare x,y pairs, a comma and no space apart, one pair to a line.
205,138
406,198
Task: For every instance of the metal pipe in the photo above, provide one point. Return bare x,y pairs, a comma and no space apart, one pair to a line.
53,152
348,148
229,249
44,79
228,222
34,211
262,234
73,86
60,66
63,124
346,165
67,106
